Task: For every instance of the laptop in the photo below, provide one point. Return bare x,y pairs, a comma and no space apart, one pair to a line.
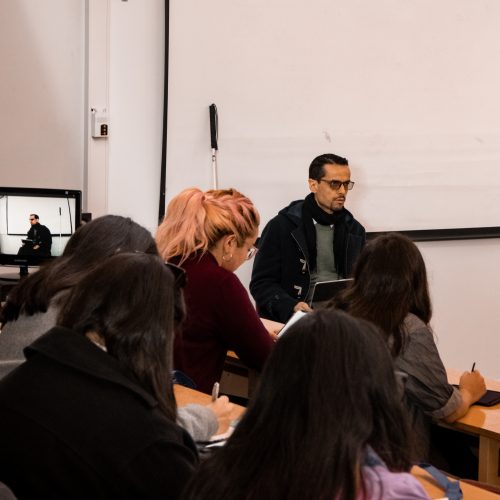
323,291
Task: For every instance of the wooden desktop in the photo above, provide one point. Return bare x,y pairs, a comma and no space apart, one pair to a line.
483,422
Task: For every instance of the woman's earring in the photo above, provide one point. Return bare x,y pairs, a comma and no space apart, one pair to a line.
225,257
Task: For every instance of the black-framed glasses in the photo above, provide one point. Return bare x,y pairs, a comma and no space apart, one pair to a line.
251,253
180,275
335,185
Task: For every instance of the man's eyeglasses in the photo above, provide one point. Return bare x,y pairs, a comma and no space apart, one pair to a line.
251,253
32,219
335,185
180,277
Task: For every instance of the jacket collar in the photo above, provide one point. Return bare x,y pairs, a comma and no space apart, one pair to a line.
294,212
78,353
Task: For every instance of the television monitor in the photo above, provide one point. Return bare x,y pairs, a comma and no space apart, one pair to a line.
59,215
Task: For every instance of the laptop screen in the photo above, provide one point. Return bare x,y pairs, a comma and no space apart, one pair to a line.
323,291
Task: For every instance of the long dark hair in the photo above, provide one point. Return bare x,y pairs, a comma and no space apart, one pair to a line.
130,301
87,248
390,281
327,392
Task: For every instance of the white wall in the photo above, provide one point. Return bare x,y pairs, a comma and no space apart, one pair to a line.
125,168
406,90
42,93
464,278
137,51
47,51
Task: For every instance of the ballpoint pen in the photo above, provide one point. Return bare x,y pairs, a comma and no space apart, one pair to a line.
215,391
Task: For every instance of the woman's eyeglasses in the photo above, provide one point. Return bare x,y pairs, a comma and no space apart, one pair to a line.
180,277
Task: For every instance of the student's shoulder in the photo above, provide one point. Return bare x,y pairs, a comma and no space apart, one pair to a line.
419,336
207,272
392,485
380,481
413,325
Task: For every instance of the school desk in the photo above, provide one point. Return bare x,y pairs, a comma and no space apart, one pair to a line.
184,396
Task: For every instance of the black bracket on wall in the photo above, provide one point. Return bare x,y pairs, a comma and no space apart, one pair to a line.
163,167
465,233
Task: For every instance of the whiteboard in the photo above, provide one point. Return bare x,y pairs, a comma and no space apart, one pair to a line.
407,90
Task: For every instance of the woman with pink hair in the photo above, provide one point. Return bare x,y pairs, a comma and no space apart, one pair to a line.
211,234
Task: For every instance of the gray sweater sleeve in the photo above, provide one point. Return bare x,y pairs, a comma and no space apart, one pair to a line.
18,334
427,385
199,421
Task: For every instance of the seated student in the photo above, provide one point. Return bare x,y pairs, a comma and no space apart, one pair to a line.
211,235
390,289
326,422
91,413
32,307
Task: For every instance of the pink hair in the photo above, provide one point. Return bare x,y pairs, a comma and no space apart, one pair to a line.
195,221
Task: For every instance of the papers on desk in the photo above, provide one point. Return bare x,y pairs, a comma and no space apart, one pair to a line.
217,440
220,439
295,317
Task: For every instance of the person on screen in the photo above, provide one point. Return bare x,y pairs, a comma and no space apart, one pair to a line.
326,422
92,413
390,289
311,240
211,234
38,240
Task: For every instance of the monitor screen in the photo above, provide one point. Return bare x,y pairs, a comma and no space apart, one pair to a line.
35,224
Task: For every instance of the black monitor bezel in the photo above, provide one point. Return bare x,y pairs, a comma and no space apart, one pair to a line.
35,260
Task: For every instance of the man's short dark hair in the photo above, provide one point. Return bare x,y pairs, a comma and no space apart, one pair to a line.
316,170
35,216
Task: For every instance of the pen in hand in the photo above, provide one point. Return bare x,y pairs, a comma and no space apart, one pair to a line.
473,366
215,392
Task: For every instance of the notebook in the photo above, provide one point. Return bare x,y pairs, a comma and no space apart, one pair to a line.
491,398
293,319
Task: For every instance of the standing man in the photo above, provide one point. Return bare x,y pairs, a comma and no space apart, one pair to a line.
311,240
38,240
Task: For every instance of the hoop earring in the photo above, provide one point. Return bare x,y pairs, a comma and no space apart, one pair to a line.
228,259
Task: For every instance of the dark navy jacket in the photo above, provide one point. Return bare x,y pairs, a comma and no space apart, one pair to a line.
281,275
75,424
